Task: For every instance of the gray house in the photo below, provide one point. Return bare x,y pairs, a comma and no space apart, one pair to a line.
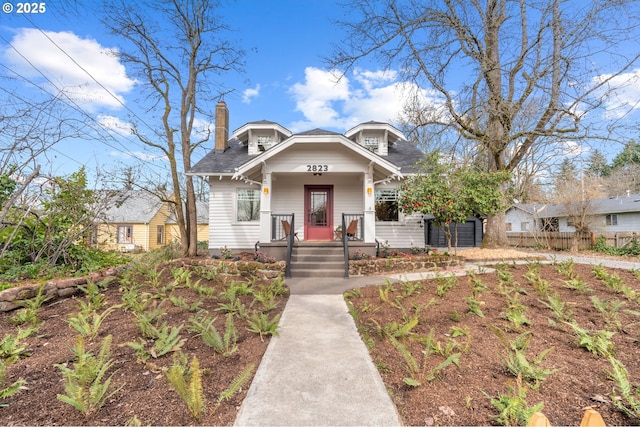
610,215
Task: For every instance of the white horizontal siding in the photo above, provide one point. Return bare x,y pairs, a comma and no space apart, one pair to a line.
516,217
335,156
404,233
223,228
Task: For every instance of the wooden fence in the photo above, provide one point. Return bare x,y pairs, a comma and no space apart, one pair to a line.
591,418
567,240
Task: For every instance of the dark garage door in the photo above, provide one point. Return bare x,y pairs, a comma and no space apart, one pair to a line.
467,235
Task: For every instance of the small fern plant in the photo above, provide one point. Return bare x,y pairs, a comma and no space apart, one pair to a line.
417,370
260,323
625,395
188,383
168,340
516,362
6,391
12,347
513,409
225,344
88,324
595,341
86,385
28,314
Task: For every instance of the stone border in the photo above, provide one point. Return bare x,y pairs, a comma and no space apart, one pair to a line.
267,271
382,266
53,289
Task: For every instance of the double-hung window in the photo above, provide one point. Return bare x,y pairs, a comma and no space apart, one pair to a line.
264,143
160,235
248,205
387,205
371,143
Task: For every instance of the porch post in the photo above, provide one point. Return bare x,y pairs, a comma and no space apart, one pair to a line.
369,207
265,208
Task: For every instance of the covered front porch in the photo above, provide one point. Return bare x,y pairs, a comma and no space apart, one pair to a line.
317,258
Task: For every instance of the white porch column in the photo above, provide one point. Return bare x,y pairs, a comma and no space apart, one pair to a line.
369,207
265,209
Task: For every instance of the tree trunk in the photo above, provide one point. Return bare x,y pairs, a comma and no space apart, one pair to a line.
192,219
495,235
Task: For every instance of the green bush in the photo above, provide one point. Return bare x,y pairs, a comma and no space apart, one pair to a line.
632,248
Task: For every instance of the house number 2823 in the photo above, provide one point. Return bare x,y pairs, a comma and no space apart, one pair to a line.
317,168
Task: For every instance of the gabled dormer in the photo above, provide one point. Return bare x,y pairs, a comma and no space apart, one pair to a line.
261,135
375,136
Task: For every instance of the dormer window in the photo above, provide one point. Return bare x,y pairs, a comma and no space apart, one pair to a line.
264,142
371,143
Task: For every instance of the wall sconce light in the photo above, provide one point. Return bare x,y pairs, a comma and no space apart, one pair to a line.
369,190
265,190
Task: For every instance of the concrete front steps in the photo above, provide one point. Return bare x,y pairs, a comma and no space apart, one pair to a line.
310,259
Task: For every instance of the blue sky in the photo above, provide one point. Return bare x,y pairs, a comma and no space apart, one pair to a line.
285,77
285,81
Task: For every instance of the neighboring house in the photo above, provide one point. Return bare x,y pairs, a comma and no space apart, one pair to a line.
264,175
610,215
138,220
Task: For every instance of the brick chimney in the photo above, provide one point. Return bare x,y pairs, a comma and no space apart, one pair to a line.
222,126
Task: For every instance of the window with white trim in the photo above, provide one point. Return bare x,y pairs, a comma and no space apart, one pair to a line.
387,205
160,234
371,143
611,219
264,142
125,234
248,205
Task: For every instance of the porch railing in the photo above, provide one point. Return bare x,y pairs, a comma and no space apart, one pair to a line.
352,229
279,225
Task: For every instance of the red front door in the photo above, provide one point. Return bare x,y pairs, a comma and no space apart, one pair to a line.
318,205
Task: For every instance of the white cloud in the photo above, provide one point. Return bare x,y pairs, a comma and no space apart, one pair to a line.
250,93
573,148
621,93
116,125
316,97
326,101
202,128
44,52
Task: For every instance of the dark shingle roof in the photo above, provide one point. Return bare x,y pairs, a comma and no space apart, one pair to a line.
606,205
224,162
404,155
318,131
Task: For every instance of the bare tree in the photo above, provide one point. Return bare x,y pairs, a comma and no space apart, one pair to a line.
174,46
510,74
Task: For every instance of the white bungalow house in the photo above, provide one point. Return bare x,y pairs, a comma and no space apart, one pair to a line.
264,178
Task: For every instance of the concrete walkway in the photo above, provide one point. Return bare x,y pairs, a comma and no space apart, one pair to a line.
317,371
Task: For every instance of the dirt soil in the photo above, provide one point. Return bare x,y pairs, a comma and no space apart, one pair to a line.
457,396
144,391
460,395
